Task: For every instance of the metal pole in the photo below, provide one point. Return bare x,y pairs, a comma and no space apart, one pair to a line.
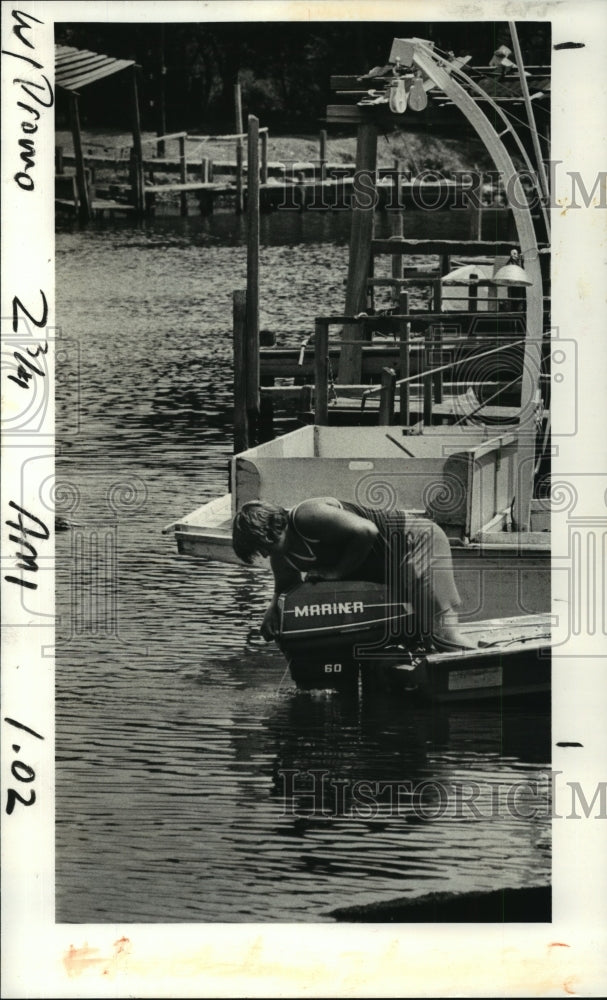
529,109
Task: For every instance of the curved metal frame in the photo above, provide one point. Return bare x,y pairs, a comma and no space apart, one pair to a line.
425,60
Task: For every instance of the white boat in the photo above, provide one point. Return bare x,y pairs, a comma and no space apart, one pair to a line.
465,481
476,482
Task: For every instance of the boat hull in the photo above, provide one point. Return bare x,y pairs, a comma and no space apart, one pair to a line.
481,676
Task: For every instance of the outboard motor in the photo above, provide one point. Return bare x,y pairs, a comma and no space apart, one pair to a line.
327,629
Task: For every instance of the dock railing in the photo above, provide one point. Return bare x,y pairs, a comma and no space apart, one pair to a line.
431,375
420,346
241,171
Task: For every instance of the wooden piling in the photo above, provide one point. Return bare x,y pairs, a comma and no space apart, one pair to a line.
321,373
241,427
239,200
363,215
252,352
398,226
437,295
238,109
204,170
84,207
427,381
387,395
437,362
183,176
138,175
405,366
162,120
476,208
323,155
264,156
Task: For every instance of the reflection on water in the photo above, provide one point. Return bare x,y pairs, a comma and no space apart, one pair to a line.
193,781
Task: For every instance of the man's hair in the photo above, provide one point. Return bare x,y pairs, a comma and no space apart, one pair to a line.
256,524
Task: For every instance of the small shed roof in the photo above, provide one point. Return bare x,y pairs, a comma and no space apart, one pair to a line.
76,68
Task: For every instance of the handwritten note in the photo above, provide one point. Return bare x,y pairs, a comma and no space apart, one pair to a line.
38,90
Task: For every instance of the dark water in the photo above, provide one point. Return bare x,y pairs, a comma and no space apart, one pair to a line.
194,783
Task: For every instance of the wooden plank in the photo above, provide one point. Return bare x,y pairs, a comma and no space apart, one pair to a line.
347,113
169,135
189,186
424,316
284,362
109,205
472,248
348,83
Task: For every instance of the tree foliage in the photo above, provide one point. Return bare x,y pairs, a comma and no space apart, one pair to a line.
283,67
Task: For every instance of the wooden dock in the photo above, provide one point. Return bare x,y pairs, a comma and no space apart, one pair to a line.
284,194
318,184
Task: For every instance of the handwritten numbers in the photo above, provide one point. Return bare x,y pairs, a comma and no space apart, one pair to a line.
18,305
26,369
21,771
23,375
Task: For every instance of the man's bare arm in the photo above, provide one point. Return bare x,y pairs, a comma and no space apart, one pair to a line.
285,577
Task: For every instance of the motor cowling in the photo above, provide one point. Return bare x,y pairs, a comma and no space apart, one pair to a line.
327,628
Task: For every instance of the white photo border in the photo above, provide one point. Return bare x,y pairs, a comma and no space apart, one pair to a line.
215,960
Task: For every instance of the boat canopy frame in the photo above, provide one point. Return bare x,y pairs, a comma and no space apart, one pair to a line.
434,66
